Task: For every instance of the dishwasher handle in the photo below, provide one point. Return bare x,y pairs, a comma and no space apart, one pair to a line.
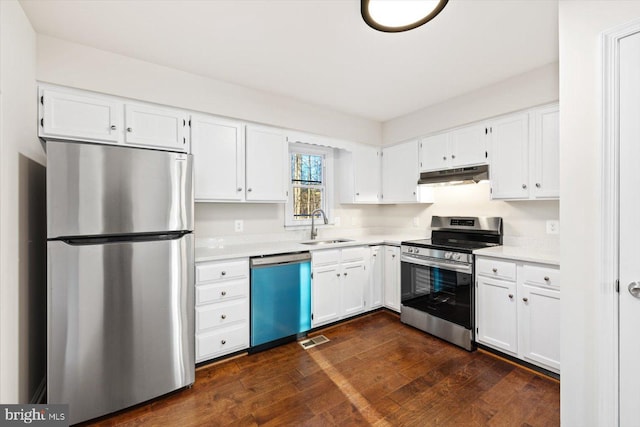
267,261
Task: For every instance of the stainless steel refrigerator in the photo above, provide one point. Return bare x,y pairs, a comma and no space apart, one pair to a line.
120,276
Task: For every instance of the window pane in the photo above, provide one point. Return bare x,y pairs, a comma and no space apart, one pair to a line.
305,201
306,168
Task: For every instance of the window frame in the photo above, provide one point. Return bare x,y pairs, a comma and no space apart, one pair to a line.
327,180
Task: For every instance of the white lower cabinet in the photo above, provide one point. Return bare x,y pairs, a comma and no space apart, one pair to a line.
339,282
376,265
222,308
392,277
518,310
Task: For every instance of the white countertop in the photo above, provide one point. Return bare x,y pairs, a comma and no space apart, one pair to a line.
244,250
523,253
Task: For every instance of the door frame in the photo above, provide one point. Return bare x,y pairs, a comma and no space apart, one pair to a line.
607,342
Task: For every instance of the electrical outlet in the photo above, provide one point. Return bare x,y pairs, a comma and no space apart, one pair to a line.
239,225
553,226
416,221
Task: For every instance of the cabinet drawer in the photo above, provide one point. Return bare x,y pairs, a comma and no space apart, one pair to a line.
353,254
222,341
222,291
221,314
221,270
541,276
329,256
494,268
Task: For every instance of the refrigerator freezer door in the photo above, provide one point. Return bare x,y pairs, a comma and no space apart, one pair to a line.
108,190
121,323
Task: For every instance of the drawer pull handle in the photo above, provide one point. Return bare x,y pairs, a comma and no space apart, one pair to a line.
223,273
546,278
224,316
495,270
510,296
525,299
223,342
223,293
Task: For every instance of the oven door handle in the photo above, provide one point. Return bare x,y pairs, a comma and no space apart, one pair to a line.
458,268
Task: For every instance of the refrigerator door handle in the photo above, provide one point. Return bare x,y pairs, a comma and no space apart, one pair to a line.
142,237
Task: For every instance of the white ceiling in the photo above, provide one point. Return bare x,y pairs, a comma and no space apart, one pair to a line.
318,51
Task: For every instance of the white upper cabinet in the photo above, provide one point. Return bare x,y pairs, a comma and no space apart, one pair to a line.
457,148
156,127
400,173
76,116
509,171
546,153
267,165
358,173
218,156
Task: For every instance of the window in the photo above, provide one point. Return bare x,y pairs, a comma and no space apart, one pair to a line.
310,167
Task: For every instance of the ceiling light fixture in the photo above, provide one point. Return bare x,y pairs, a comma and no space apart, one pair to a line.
393,16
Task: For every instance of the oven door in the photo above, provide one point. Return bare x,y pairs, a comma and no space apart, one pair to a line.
438,287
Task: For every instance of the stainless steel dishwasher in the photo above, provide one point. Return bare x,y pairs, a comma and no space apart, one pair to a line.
280,299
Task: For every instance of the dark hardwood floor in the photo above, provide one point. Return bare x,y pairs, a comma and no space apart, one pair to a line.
374,371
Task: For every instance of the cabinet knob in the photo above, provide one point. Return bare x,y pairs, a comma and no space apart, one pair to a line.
113,127
224,316
453,156
375,255
338,274
345,274
129,130
510,296
495,270
357,194
444,157
538,185
249,190
239,189
414,193
525,299
393,255
524,186
546,278
223,293
223,342
223,273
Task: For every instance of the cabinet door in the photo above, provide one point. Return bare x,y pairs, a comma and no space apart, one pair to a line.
326,294
540,326
434,153
218,159
79,117
354,281
375,277
400,173
392,277
509,172
468,146
267,168
547,153
157,127
497,314
366,174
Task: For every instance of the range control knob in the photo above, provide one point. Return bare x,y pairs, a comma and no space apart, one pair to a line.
457,257
417,250
448,255
410,250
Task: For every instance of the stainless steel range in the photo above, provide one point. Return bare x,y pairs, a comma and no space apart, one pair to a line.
437,276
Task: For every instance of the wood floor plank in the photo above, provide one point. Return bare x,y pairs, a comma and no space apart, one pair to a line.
373,371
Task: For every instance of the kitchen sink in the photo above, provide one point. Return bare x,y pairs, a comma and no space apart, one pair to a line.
326,242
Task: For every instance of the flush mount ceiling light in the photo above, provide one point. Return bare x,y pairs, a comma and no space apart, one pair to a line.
393,16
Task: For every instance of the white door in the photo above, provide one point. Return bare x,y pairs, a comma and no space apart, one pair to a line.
375,271
539,316
366,165
326,294
509,172
547,153
434,152
629,234
267,166
157,127
400,173
218,159
497,314
354,279
392,277
468,146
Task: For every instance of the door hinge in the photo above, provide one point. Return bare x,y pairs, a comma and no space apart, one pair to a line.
184,139
618,285
486,154
184,122
420,164
486,131
491,190
42,100
477,331
189,122
287,193
42,122
311,316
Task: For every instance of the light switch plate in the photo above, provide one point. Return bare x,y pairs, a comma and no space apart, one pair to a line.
553,226
239,225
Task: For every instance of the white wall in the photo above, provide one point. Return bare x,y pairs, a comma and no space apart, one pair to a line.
83,67
19,146
580,131
536,87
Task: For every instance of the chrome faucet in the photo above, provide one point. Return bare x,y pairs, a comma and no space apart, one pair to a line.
314,231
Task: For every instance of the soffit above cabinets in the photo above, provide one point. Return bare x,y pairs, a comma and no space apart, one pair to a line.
317,51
